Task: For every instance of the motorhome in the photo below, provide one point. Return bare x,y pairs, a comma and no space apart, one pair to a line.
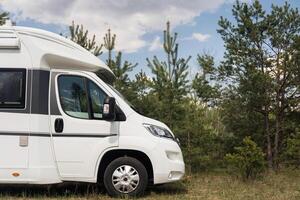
60,122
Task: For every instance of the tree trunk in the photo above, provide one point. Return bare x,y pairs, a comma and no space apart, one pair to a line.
276,142
278,123
269,143
109,58
189,154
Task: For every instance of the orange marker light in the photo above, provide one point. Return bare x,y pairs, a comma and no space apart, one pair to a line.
15,174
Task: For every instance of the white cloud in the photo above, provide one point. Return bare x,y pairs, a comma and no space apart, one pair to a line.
243,1
129,19
155,44
200,37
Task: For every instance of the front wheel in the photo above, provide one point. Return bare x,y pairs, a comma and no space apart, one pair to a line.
125,176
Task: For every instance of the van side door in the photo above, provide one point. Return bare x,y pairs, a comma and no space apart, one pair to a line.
79,133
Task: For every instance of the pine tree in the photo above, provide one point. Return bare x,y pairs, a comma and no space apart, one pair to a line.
80,36
109,44
170,82
122,82
3,17
121,70
142,84
142,97
206,91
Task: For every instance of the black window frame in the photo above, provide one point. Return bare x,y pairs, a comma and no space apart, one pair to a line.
24,88
92,113
87,90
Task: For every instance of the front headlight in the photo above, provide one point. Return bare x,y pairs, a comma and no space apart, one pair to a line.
158,131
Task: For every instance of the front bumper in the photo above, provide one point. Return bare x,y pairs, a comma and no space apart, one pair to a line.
167,161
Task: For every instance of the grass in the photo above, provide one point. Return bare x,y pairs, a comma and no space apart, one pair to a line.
284,185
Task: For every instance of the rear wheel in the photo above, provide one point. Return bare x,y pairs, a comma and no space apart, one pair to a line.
125,176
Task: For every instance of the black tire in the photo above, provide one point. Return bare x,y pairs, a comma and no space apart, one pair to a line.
137,165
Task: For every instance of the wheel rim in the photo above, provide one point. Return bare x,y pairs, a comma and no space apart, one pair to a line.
125,179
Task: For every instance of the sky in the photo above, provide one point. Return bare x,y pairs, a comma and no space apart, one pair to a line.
138,24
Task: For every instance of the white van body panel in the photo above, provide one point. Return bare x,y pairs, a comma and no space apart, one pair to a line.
31,151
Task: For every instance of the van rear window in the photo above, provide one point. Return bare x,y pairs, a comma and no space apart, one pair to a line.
12,88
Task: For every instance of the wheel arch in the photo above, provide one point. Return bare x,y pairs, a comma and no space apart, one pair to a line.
113,154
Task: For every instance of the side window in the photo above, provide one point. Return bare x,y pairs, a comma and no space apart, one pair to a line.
73,96
97,97
12,88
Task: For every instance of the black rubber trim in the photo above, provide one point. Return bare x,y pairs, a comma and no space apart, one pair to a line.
53,100
56,135
40,92
82,135
25,134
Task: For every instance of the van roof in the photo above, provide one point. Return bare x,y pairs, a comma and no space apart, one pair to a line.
50,50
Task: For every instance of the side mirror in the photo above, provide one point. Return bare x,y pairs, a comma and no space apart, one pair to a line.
109,109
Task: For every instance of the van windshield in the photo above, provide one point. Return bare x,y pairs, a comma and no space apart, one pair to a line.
122,97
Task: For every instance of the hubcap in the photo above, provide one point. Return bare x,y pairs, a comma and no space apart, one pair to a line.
125,179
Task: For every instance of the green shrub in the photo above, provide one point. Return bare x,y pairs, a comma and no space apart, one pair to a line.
292,154
248,160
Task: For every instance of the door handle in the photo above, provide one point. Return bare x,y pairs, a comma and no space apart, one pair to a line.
59,125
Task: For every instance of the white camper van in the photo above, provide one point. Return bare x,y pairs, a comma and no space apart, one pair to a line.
60,122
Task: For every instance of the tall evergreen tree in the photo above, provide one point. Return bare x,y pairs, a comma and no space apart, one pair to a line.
170,82
109,44
80,36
